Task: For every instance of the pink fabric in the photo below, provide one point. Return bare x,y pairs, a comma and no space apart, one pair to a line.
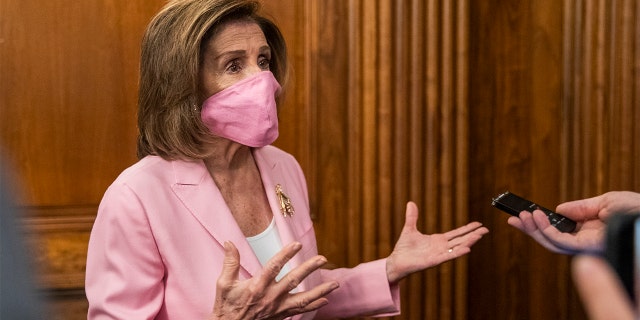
246,111
156,246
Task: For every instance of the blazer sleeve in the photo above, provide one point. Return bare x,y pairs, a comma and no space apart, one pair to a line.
124,268
364,291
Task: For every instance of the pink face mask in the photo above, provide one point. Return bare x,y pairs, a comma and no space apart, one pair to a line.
245,112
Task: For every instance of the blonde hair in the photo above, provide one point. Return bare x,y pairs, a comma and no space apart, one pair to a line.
169,121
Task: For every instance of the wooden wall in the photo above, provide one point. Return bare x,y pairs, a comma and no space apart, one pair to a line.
554,103
445,103
68,92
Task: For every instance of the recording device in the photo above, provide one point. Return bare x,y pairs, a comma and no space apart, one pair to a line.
622,247
513,205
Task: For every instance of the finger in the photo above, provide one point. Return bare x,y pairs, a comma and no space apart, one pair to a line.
461,231
230,267
516,222
305,306
292,279
529,224
276,263
469,239
309,300
545,242
457,251
533,230
600,289
566,242
473,237
540,219
579,210
534,224
411,216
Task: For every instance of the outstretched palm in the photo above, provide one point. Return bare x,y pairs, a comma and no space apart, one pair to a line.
416,251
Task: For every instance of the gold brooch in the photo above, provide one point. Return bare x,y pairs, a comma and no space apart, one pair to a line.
285,203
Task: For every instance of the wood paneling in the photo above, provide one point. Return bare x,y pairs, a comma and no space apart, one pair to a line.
68,93
553,98
390,91
61,237
515,103
601,105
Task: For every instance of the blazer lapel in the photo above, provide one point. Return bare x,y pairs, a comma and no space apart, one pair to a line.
200,195
270,171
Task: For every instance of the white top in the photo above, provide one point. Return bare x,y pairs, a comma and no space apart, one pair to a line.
266,245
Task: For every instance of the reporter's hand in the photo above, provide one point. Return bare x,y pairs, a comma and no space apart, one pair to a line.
590,214
602,206
415,251
600,290
262,297
588,235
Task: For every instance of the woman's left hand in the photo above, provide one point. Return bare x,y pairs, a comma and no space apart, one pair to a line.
415,251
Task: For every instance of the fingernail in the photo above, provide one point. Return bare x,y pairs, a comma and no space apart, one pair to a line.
321,261
296,245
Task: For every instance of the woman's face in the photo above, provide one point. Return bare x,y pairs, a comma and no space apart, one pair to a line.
238,50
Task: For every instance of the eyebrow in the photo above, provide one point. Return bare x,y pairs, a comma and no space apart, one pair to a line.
262,50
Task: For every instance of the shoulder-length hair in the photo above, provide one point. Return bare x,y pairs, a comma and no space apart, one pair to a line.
169,123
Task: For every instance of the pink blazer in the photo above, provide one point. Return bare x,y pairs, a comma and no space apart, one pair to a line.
156,250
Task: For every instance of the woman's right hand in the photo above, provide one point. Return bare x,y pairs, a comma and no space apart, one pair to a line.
262,297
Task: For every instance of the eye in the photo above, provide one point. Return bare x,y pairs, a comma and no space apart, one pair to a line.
264,63
234,66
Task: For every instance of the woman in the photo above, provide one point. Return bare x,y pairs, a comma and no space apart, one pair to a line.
213,222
